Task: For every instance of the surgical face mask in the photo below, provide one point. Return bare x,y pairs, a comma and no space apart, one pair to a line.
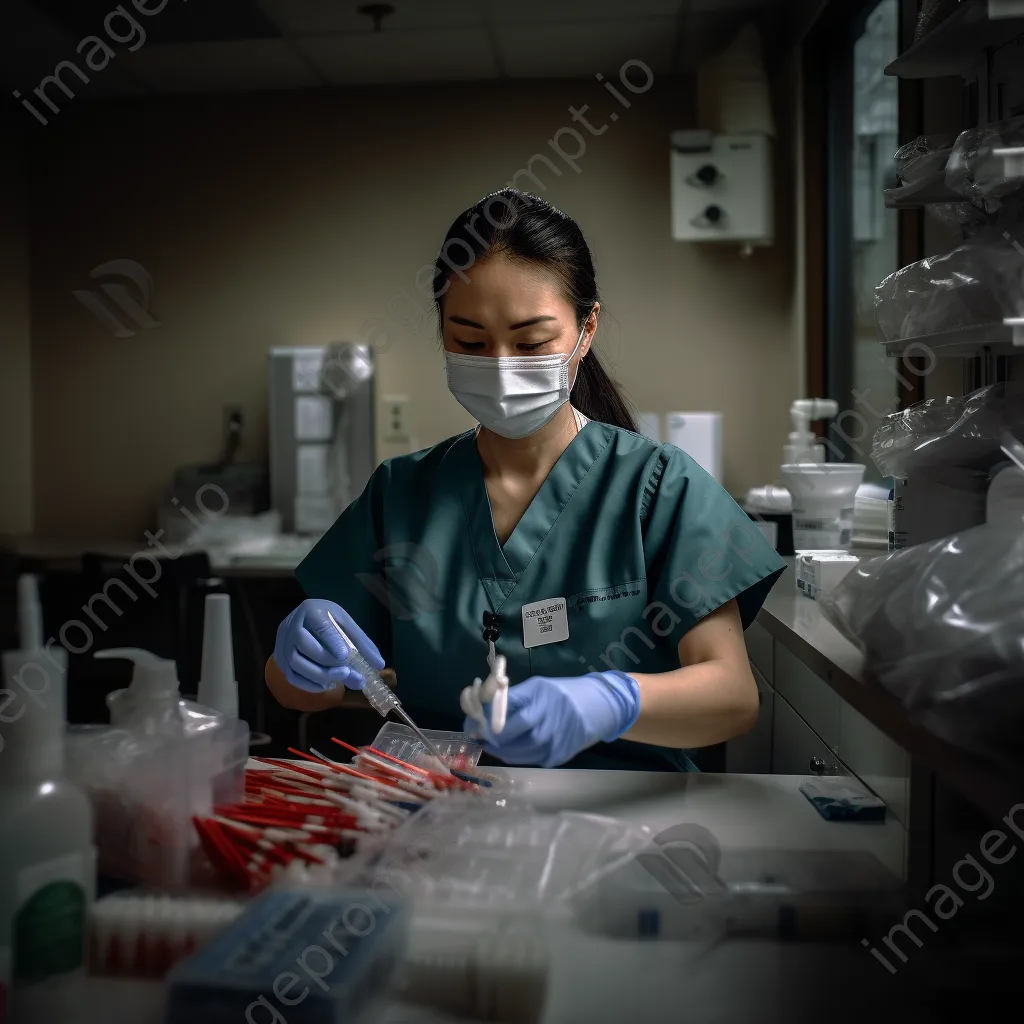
512,395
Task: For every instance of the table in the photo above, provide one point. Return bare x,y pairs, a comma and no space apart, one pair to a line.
597,978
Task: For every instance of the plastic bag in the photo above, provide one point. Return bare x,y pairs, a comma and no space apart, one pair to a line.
468,850
922,158
980,282
942,629
146,780
949,432
975,171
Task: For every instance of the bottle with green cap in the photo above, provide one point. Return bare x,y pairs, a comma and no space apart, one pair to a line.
47,858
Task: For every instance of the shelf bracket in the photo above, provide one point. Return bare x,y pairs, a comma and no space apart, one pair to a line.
1005,9
1016,324
1013,161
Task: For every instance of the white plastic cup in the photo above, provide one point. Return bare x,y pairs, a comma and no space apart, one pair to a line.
823,496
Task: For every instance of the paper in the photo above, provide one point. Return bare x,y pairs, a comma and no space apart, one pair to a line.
306,373
313,418
545,622
312,475
314,514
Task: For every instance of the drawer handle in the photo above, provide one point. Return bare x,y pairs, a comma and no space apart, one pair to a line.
819,766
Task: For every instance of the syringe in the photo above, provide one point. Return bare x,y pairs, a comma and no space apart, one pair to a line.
379,695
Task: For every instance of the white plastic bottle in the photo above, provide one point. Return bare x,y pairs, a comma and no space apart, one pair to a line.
47,858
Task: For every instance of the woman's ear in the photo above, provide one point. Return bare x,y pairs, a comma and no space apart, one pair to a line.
590,328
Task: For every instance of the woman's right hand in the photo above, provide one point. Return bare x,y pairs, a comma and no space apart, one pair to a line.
311,653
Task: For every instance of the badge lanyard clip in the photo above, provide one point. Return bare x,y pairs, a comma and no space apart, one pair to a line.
494,690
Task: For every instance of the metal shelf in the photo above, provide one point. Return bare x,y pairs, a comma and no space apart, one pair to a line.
956,45
921,193
966,342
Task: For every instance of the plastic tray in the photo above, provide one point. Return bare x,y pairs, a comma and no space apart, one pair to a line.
458,749
468,849
292,943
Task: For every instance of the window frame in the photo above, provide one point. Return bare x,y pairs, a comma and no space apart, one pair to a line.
827,112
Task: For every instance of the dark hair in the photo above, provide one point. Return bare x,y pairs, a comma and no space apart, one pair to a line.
529,229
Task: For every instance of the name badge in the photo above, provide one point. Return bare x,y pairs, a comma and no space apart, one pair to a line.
545,622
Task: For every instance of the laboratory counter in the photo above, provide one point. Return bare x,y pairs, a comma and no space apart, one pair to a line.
821,713
597,976
852,723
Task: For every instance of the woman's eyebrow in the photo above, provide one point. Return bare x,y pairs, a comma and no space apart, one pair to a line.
530,323
512,327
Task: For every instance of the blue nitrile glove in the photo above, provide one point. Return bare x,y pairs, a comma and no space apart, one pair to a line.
311,653
550,721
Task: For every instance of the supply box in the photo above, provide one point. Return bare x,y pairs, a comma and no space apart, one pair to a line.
819,572
305,955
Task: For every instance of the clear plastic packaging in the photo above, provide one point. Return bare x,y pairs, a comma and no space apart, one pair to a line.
147,779
470,850
979,283
943,432
977,170
484,967
922,159
941,627
143,935
458,750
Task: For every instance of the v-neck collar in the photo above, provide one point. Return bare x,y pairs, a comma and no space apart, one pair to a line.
501,566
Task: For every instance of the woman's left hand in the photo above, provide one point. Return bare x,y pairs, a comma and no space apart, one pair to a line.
550,720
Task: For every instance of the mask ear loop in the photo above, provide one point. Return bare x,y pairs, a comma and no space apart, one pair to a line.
576,348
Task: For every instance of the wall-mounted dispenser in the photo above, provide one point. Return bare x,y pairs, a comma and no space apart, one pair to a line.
722,188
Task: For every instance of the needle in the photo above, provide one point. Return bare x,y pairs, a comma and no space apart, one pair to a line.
380,696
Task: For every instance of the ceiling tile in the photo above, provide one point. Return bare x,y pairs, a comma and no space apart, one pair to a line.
311,17
222,67
177,22
577,11
448,55
729,6
581,51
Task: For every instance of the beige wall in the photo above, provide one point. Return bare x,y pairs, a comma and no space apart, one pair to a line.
294,219
15,343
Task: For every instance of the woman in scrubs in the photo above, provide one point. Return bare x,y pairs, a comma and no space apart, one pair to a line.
613,573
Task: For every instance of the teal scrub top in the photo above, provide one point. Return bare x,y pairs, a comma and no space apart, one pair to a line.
639,540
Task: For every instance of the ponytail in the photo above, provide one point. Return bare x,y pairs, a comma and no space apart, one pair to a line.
598,397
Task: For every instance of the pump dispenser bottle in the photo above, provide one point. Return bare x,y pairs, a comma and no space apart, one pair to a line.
153,693
47,859
822,493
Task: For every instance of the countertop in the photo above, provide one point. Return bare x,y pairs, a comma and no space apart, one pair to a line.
270,557
598,978
797,622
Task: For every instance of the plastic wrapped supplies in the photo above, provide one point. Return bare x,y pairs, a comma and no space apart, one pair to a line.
942,629
499,854
978,283
922,158
963,431
940,454
977,167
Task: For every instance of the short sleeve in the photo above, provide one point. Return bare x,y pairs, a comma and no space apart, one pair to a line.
701,549
345,565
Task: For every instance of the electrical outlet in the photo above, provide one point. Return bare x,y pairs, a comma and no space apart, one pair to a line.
396,418
233,421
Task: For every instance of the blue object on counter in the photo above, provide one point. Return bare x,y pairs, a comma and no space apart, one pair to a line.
836,799
307,956
648,923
